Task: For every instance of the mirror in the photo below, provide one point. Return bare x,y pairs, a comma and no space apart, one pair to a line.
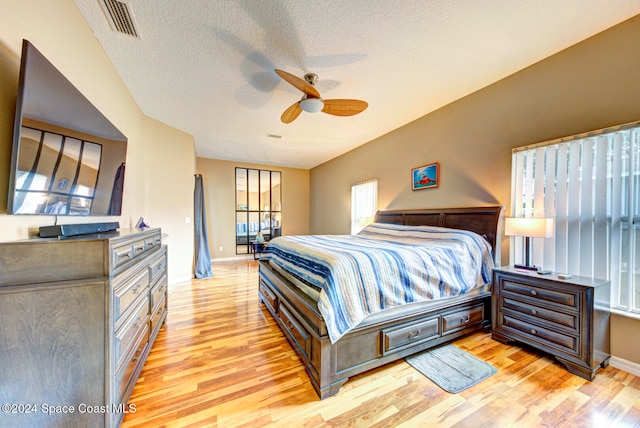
258,208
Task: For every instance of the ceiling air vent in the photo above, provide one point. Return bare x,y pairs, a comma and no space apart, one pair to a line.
120,17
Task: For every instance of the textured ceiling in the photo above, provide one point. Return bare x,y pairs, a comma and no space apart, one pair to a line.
206,66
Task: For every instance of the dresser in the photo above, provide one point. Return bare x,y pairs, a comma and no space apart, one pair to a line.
78,317
568,318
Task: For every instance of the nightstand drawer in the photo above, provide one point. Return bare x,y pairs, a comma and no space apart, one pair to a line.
563,342
522,288
567,320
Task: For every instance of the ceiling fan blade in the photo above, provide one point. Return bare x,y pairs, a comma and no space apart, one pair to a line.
344,107
291,113
298,83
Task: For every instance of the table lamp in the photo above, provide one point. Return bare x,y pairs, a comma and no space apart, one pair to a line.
529,227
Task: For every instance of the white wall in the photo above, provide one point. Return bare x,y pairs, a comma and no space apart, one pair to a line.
160,159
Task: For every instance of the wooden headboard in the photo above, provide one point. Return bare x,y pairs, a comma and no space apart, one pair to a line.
485,221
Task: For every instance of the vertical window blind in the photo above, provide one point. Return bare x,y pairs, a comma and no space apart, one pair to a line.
590,185
364,204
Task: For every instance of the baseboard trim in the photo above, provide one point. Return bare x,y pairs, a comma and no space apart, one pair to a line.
232,259
180,279
626,365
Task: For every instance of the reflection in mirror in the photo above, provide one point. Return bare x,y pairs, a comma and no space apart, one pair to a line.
276,205
55,174
241,189
254,196
265,190
258,207
242,242
89,167
275,224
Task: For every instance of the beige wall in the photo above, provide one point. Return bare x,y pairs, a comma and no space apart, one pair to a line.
219,187
160,159
589,86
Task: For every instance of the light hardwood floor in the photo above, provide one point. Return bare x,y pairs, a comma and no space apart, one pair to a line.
221,361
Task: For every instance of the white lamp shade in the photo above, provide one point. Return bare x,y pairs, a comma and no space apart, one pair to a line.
533,227
312,105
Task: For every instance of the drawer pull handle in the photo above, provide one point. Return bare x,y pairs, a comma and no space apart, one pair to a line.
127,255
534,312
140,248
137,355
534,293
414,334
137,323
533,331
466,320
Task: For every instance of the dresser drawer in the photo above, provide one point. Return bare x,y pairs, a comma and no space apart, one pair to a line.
462,319
158,265
571,321
124,252
152,242
567,298
129,333
420,331
128,292
121,255
158,293
564,343
124,374
157,317
300,336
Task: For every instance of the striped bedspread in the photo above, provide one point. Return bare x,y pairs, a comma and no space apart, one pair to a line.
382,267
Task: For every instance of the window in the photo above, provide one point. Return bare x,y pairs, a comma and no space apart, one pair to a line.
364,204
590,185
258,206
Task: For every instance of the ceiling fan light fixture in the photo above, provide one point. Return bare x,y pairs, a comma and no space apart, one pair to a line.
312,105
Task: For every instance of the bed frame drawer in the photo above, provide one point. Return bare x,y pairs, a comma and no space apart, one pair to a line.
462,319
300,336
271,298
410,334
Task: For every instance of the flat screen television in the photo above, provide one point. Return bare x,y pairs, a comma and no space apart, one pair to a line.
67,157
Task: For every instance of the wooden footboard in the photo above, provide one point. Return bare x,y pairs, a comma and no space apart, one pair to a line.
369,345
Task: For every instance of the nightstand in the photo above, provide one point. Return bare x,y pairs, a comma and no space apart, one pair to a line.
568,318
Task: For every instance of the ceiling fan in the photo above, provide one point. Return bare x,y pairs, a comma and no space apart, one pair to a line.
312,102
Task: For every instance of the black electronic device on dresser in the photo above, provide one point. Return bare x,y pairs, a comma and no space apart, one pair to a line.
566,316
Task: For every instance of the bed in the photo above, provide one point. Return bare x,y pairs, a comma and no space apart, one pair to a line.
333,353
